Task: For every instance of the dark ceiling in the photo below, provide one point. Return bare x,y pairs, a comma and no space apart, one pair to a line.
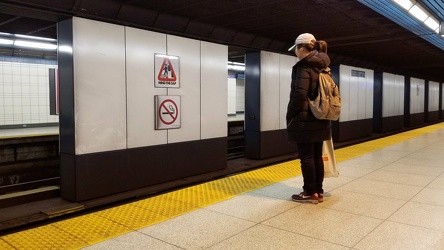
357,35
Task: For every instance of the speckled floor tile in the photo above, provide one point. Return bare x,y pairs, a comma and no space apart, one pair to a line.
262,237
337,227
391,235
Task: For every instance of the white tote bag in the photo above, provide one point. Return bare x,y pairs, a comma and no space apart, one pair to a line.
328,156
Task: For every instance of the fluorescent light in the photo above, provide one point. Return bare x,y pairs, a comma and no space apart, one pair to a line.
35,45
36,38
236,63
236,66
6,41
406,4
432,23
418,13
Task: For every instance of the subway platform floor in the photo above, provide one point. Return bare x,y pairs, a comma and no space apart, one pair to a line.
390,195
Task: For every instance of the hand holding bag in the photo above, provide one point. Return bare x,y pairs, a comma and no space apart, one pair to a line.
328,156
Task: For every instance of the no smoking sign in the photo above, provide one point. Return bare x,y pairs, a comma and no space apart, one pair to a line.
167,112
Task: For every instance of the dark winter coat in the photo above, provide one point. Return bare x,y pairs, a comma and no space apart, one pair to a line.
302,126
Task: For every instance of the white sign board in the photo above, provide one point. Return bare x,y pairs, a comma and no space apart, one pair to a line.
167,111
167,71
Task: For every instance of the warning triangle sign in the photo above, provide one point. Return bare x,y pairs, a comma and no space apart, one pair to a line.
166,72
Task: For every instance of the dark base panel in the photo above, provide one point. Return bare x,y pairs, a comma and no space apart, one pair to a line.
266,144
416,120
276,143
353,129
392,123
252,144
91,176
67,176
433,116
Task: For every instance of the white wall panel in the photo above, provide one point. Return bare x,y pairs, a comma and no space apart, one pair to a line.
369,90
344,91
399,94
189,52
269,104
417,91
433,96
214,60
356,94
354,97
442,94
388,91
141,45
362,100
392,95
285,67
99,86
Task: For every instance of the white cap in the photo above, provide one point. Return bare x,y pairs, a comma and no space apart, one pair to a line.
306,38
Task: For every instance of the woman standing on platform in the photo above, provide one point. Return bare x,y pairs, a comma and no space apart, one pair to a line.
303,128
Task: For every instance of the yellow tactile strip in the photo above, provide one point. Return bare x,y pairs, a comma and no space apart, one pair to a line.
92,228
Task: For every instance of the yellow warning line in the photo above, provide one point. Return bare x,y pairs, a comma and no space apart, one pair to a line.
92,228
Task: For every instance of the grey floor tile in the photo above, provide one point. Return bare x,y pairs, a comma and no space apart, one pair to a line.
282,190
329,183
430,196
325,224
383,189
433,151
336,182
264,237
428,153
384,156
362,204
413,169
437,183
401,178
355,172
396,236
296,179
407,146
420,214
198,229
412,160
253,207
362,162
130,241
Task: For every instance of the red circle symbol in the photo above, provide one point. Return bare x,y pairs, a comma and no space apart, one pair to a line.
168,109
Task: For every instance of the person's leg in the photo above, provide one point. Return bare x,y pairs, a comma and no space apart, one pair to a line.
306,155
319,168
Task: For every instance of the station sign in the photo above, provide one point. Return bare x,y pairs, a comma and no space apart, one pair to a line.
167,111
167,71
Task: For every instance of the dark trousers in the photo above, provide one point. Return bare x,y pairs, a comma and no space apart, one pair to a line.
312,166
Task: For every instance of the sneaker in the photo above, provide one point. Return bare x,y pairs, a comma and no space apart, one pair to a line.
303,197
320,197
